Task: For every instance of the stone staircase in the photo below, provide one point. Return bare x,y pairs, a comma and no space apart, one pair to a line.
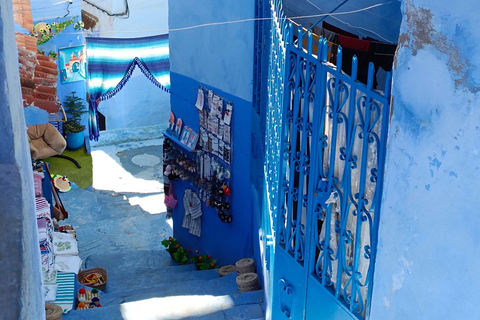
143,283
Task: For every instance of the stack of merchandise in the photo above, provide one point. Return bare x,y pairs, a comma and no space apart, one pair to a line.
45,238
88,299
59,253
67,264
247,279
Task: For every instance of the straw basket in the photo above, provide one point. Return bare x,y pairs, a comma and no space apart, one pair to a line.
246,265
53,312
99,285
248,282
223,271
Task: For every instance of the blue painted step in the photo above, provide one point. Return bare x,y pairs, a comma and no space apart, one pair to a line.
193,307
191,286
216,298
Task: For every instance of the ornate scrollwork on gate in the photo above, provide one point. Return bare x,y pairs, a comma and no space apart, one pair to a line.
345,232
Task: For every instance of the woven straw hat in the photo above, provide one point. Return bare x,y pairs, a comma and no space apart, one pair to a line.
62,183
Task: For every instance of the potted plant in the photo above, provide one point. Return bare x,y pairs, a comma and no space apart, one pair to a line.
177,252
204,262
73,126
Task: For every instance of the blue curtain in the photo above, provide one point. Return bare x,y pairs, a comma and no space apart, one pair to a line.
111,63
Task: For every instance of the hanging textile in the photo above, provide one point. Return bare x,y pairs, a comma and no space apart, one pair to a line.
111,63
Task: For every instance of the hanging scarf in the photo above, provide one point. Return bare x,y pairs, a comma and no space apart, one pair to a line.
111,63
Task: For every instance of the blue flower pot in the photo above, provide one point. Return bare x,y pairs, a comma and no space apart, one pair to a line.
75,140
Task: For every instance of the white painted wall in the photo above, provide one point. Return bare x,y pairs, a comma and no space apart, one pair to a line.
147,18
139,103
429,241
219,55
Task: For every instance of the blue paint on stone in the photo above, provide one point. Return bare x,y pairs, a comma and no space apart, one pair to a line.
435,162
21,296
219,57
421,231
34,115
226,242
67,38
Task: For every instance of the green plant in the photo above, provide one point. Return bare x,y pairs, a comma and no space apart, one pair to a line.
79,25
74,108
44,31
177,252
204,262
52,55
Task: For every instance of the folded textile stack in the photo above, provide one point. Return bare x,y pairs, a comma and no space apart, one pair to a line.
66,252
50,293
45,230
59,254
45,238
42,207
65,291
37,183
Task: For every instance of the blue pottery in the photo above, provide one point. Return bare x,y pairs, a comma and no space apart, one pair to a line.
75,140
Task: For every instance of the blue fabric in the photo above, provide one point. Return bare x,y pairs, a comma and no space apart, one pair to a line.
111,63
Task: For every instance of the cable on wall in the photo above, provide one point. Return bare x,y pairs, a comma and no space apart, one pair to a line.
125,14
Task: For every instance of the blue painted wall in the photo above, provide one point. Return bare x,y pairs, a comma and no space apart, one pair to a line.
366,18
219,55
428,250
21,296
140,103
219,58
67,38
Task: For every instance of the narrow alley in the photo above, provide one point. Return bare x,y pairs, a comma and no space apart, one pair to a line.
119,227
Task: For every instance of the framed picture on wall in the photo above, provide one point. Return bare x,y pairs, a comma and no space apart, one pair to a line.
192,141
186,132
72,64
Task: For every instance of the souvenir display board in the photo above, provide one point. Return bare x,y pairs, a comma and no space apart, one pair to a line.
204,158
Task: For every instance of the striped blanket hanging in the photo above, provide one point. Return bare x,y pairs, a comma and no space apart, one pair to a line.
111,63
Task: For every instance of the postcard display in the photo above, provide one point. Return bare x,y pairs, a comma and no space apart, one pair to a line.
209,166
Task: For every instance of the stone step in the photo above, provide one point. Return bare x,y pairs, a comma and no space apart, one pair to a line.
244,306
116,136
185,287
143,261
154,282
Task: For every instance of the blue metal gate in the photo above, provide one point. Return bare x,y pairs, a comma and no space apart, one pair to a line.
325,150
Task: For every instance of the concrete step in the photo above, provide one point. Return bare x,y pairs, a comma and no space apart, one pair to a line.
116,136
151,283
190,285
245,306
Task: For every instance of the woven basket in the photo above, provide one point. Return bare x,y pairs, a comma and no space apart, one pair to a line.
53,312
100,286
246,265
248,282
223,271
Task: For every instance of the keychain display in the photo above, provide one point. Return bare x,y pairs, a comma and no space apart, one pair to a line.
180,163
214,159
209,167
